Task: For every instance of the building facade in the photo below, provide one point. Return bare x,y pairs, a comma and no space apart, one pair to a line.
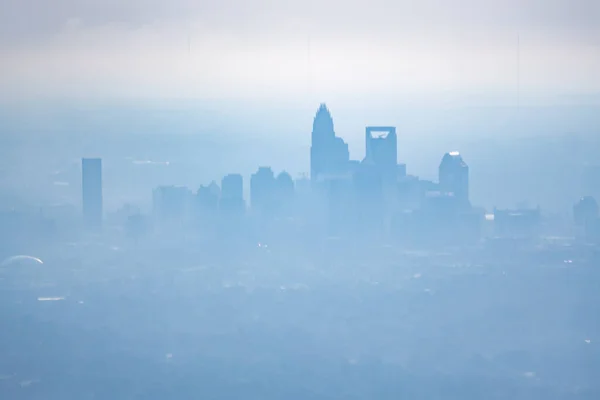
329,154
381,145
454,177
232,195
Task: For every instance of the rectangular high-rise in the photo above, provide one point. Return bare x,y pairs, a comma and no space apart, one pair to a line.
382,148
232,187
232,195
91,185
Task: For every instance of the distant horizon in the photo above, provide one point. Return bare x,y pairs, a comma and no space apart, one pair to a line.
243,119
202,144
323,51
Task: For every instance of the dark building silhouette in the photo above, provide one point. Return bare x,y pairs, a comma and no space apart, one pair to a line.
285,192
207,205
232,187
381,146
232,194
329,154
263,196
208,196
381,158
454,177
91,173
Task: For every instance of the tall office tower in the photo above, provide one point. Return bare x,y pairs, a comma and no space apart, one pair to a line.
381,146
262,190
329,154
232,194
454,177
207,206
285,189
232,187
91,178
207,198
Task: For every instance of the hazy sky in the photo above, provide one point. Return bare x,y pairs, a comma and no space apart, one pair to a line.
312,49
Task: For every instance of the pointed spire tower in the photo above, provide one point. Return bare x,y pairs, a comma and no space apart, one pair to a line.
322,125
328,153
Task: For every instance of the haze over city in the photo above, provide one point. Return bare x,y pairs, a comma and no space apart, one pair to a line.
317,199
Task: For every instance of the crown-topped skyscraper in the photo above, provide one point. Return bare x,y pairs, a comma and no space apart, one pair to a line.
454,176
329,154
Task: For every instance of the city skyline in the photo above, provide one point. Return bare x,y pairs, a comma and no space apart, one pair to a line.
374,195
300,199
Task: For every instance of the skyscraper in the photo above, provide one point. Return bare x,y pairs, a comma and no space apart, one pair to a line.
382,149
232,194
262,190
207,198
285,187
207,206
329,154
454,177
91,174
232,187
381,164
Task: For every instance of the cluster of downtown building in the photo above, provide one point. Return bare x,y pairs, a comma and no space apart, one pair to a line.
369,199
